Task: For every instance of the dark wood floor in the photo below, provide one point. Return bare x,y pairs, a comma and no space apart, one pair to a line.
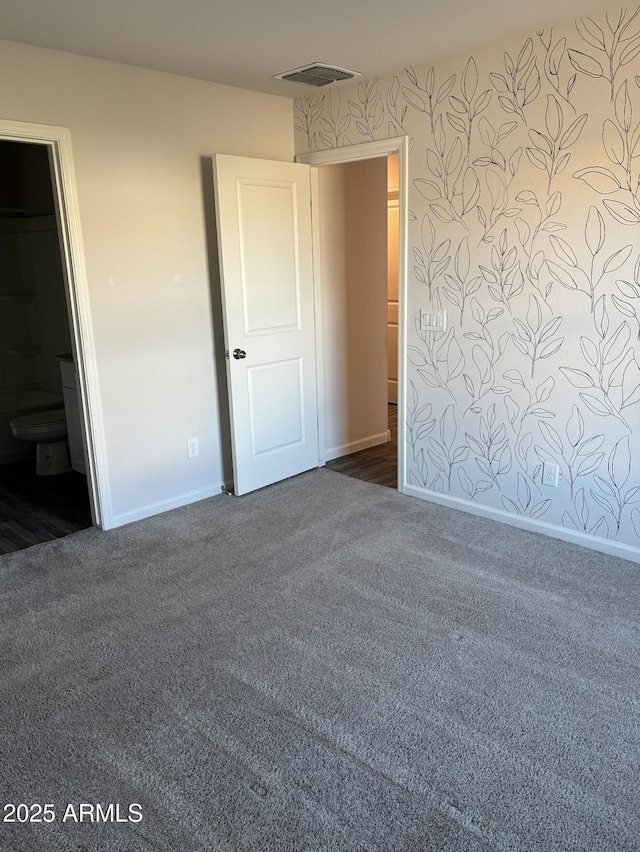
377,464
35,508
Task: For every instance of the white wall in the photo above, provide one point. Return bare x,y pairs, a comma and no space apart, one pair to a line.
393,250
138,137
353,227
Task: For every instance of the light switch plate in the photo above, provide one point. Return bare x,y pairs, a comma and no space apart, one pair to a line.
433,320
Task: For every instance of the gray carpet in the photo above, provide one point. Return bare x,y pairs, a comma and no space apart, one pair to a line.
323,665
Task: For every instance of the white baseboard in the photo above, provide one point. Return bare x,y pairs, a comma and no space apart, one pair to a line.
355,446
602,545
164,506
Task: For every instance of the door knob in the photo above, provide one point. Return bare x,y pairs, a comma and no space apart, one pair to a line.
239,354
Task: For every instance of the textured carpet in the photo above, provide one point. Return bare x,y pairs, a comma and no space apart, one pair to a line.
323,665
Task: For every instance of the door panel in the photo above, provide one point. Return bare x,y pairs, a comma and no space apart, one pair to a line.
266,269
268,241
278,385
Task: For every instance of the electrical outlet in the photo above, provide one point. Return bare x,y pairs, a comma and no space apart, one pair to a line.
550,474
192,448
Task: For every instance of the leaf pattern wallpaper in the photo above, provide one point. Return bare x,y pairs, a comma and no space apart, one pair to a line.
524,208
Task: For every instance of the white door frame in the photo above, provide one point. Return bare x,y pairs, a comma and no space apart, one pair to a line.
353,153
58,140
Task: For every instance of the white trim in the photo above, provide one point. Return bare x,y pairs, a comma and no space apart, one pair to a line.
366,151
356,446
602,545
59,141
151,509
317,304
351,153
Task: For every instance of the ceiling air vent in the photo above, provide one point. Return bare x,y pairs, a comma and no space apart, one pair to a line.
316,75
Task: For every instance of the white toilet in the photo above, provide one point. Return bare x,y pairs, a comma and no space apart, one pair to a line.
47,429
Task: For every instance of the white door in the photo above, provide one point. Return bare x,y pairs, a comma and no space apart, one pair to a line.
266,267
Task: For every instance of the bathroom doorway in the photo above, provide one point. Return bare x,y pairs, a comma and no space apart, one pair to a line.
35,336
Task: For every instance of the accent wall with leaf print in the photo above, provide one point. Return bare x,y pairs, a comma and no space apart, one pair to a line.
524,207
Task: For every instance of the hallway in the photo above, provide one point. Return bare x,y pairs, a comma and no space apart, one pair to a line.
376,464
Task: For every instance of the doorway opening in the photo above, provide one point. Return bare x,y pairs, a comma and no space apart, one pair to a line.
361,239
37,345
374,331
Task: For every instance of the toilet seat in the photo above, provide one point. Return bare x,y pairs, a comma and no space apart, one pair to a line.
48,430
40,423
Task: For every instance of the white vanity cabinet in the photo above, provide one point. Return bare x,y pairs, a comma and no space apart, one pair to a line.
72,413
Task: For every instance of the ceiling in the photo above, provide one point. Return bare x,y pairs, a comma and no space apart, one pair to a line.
244,43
